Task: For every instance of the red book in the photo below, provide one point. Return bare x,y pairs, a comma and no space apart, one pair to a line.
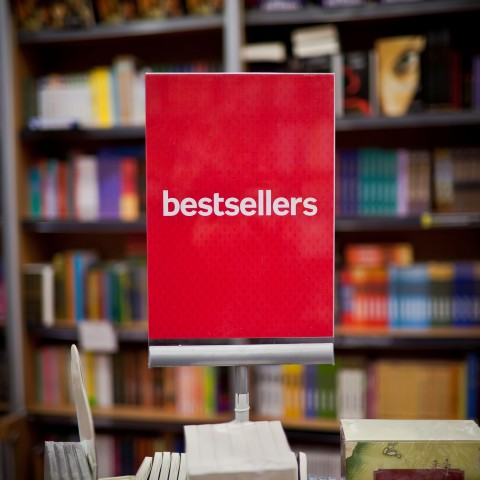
129,198
240,205
419,474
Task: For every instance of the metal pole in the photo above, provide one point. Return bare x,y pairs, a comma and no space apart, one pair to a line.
233,355
232,35
242,397
10,214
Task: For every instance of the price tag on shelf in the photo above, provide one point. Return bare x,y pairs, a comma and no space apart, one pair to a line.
98,337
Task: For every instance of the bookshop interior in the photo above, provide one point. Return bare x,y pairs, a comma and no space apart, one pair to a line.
370,106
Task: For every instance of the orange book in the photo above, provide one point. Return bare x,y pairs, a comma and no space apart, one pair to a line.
129,197
378,254
62,198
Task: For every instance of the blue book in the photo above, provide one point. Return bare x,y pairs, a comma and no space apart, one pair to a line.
82,260
463,294
394,318
473,381
311,391
415,286
35,191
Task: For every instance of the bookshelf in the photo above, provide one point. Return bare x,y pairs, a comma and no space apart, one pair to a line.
435,235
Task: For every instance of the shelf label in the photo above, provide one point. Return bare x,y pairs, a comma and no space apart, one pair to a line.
240,205
97,337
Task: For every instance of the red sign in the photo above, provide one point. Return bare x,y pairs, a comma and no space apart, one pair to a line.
240,205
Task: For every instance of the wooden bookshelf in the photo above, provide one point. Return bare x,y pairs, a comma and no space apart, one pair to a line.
312,14
41,53
132,30
141,417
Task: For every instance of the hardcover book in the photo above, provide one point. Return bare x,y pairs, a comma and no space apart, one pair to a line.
240,205
410,449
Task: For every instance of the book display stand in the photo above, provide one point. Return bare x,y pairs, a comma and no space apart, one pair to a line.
240,240
238,449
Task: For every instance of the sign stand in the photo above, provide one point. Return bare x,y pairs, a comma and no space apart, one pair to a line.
240,172
240,357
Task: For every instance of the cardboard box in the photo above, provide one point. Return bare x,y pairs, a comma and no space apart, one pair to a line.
410,449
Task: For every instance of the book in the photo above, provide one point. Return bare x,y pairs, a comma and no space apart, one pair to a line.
39,294
420,449
85,187
341,3
360,89
239,450
265,57
40,15
399,72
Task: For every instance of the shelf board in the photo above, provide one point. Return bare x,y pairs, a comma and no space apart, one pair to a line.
132,29
344,124
312,14
136,416
434,338
74,226
122,416
425,339
412,120
425,221
133,333
77,133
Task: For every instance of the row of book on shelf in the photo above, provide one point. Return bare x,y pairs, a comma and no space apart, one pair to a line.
288,5
123,453
355,387
105,96
124,378
42,15
380,80
77,285
381,286
108,185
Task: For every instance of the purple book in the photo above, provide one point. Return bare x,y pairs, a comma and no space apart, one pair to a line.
109,179
476,82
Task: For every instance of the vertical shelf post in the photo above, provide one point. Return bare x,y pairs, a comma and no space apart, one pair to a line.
10,215
232,35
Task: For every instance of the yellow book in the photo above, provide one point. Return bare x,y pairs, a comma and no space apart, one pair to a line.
293,388
101,88
88,359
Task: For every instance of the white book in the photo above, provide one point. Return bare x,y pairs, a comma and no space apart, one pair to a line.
39,293
106,455
256,447
174,466
165,471
309,50
50,461
104,380
316,33
156,466
144,470
83,466
302,466
264,52
86,192
72,461
182,472
61,461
